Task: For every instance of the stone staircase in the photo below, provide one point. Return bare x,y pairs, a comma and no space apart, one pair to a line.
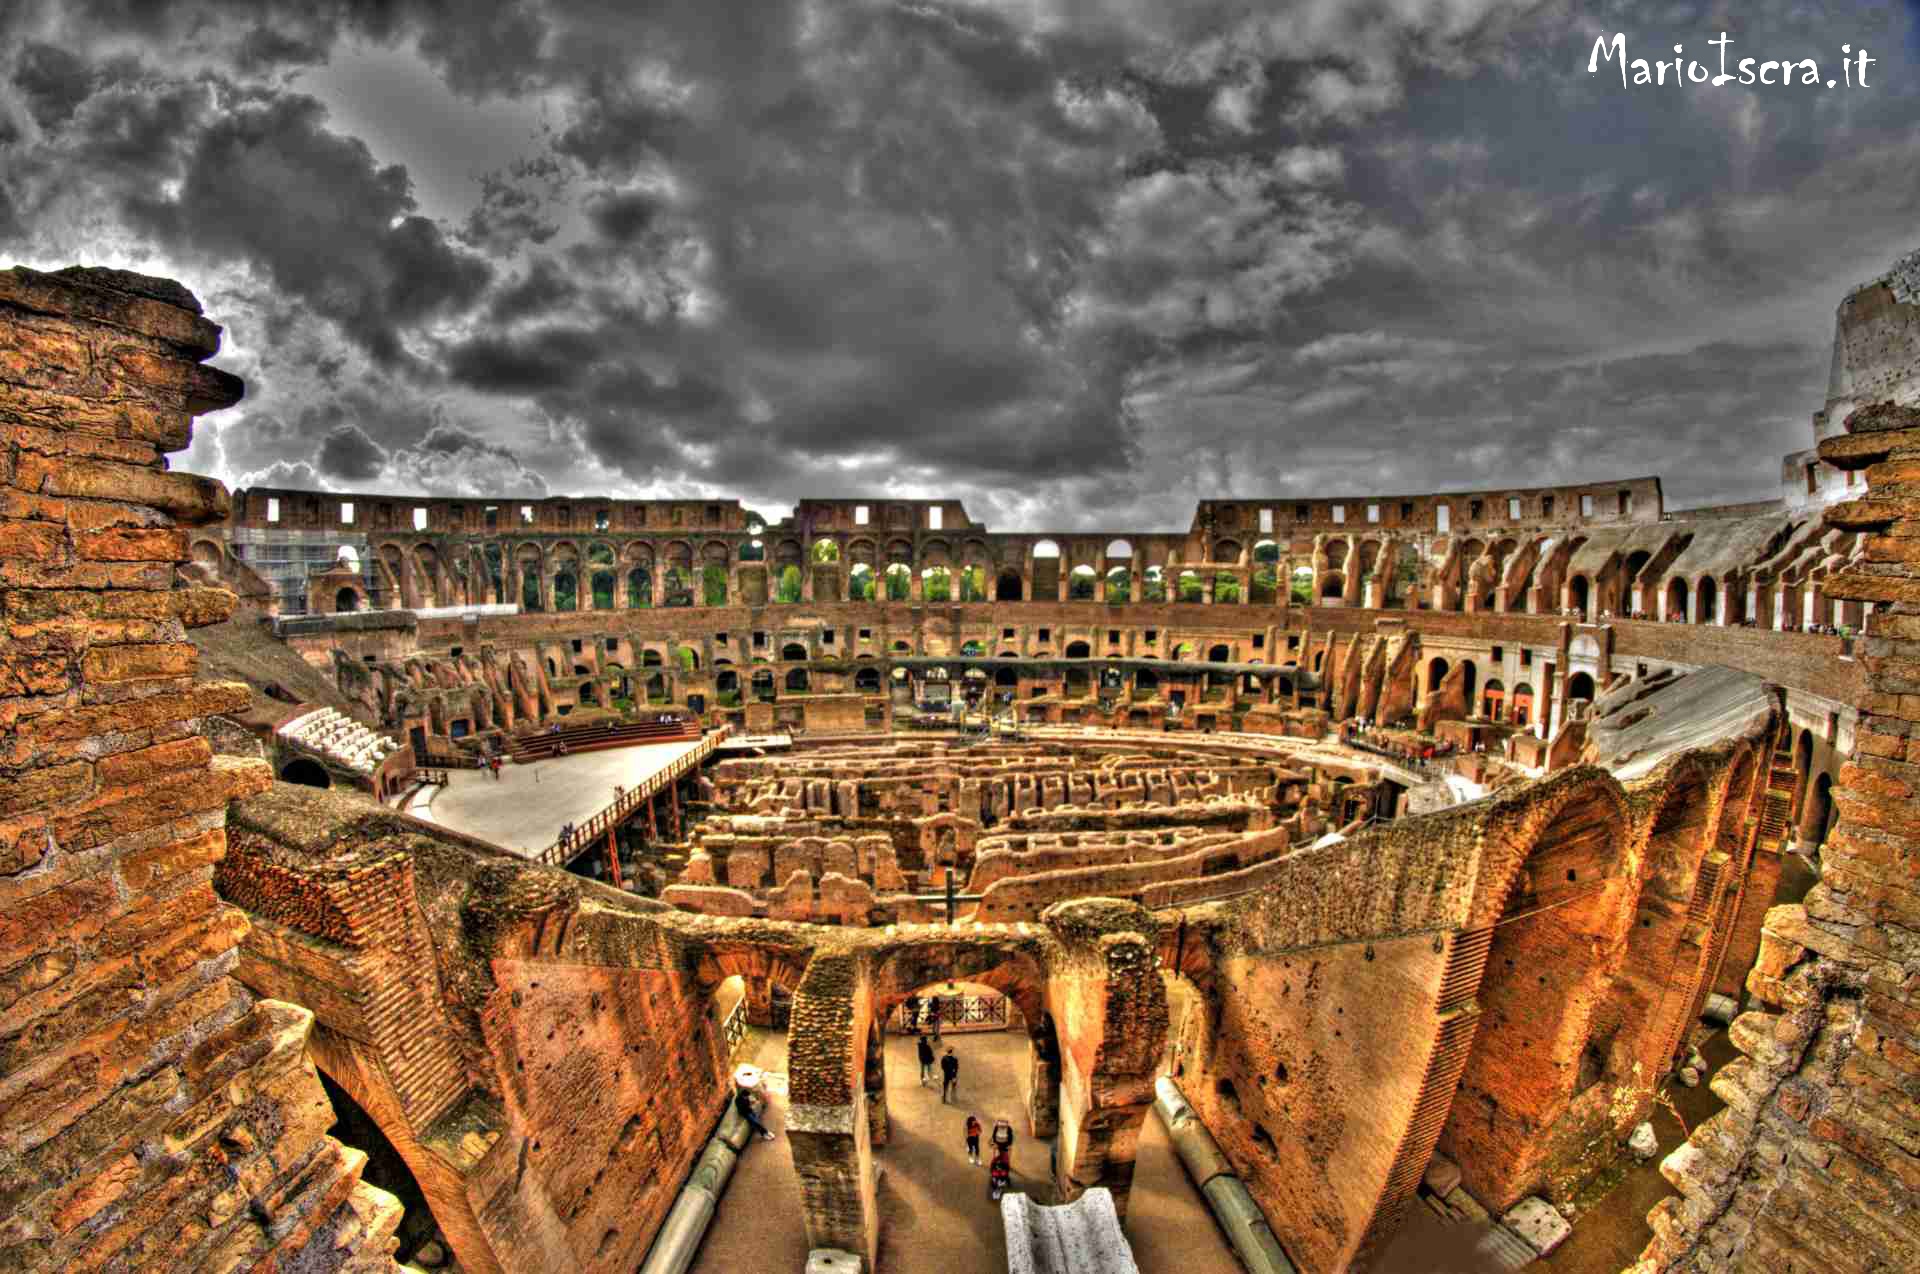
1776,807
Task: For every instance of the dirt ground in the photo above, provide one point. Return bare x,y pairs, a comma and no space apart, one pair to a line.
934,1212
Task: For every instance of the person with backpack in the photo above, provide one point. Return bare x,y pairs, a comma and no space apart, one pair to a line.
949,1075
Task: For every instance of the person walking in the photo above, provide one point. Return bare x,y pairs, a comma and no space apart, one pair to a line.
743,1102
933,1017
926,1062
973,1140
913,1012
949,1075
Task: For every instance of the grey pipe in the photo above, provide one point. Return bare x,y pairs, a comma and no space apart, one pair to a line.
678,1241
1233,1207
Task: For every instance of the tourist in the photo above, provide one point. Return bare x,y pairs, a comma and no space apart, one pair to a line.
912,1009
1002,1138
933,1017
743,1102
973,1140
926,1062
949,1075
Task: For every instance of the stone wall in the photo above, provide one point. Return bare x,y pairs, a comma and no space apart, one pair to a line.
153,1113
1815,1162
547,1112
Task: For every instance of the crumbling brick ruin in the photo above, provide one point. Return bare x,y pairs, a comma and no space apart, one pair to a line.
1406,833
154,1113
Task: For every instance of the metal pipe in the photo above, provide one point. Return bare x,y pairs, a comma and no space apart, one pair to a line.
1233,1207
678,1241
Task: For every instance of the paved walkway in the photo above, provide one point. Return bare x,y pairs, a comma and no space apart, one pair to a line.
523,809
934,1212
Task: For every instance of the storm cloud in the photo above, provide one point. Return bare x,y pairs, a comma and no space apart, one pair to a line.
1077,263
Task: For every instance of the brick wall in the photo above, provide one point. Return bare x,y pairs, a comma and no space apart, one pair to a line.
1815,1162
153,1113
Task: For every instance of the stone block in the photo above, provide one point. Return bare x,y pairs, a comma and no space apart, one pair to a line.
1442,1175
1538,1223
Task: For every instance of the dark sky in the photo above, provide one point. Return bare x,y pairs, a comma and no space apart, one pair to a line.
1076,262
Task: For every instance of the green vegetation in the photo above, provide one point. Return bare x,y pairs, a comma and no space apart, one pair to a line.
789,591
714,585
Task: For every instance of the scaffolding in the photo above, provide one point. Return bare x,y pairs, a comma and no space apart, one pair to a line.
287,559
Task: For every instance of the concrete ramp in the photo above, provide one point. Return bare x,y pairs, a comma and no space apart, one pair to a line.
1082,1237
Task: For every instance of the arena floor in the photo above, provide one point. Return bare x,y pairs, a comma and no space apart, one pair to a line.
524,808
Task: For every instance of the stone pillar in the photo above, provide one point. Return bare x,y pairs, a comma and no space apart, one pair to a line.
1043,1083
126,1028
1109,1007
827,1126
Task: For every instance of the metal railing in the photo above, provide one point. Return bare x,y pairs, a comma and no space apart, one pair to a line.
595,828
957,1013
734,1029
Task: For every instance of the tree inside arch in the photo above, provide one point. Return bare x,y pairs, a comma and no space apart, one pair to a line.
1300,590
973,583
899,583
1119,584
826,552
936,584
860,583
789,591
713,583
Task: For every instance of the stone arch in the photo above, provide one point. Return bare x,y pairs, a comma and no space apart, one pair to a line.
1550,912
1007,587
908,969
1817,820
305,771
1706,594
1650,1001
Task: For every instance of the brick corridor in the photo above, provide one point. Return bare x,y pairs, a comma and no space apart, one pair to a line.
935,1215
